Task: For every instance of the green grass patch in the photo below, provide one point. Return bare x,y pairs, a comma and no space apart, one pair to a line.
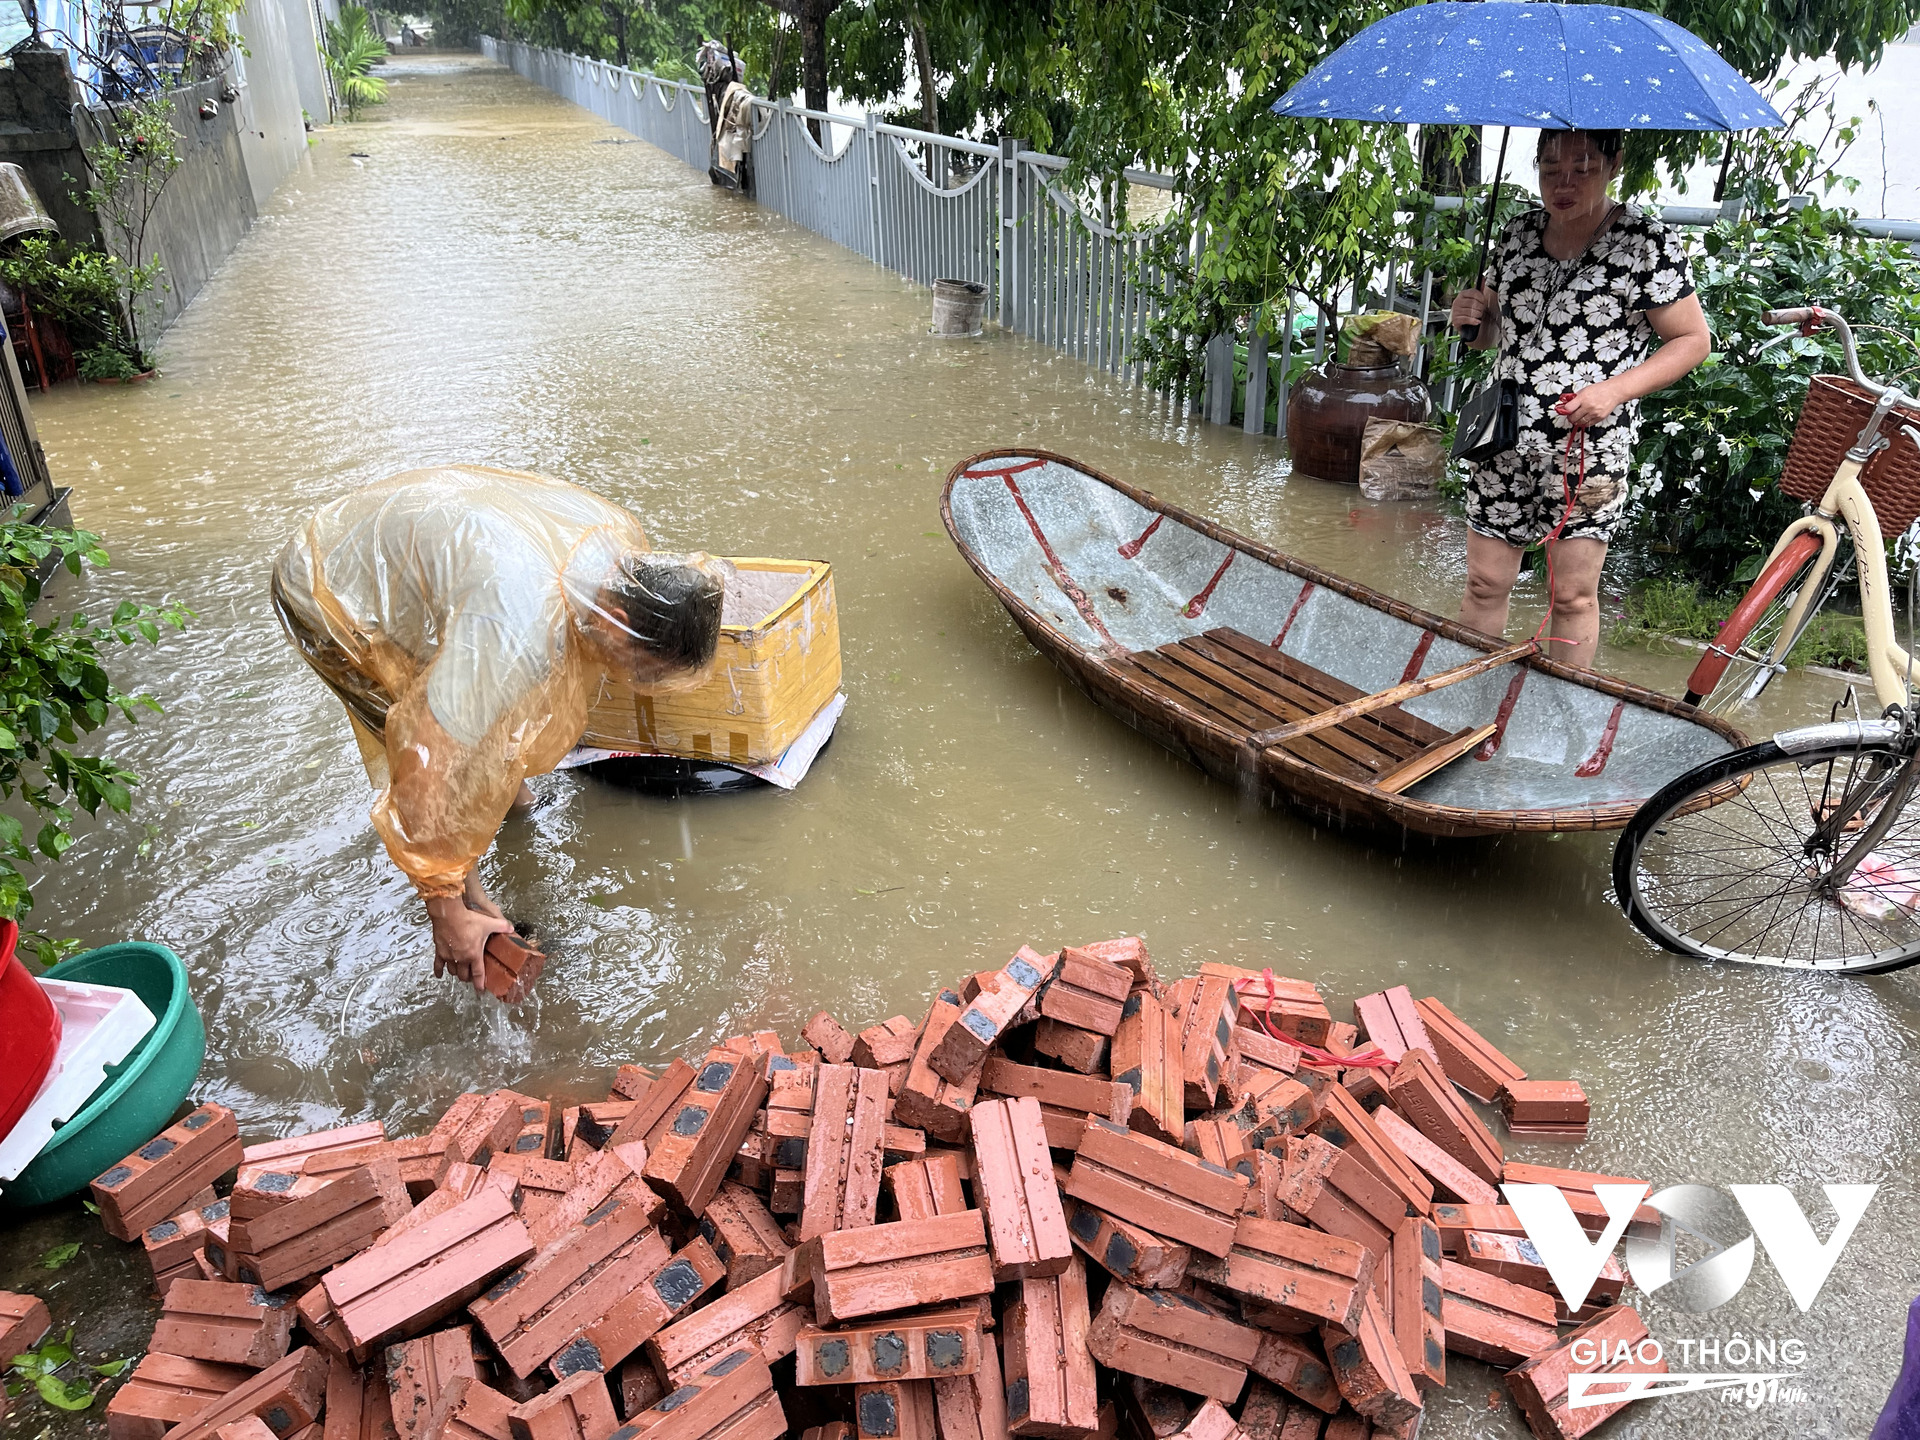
1676,609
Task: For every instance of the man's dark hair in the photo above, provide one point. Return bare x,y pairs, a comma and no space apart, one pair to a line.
671,609
1608,142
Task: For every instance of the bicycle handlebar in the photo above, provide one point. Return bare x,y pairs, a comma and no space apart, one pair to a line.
1818,317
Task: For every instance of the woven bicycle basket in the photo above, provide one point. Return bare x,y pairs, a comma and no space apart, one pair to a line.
1836,411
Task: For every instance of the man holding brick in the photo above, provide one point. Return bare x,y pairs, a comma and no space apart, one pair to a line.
465,616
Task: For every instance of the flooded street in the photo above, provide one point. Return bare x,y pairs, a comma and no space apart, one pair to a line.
481,272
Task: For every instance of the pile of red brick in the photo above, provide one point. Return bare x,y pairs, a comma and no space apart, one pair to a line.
1071,1202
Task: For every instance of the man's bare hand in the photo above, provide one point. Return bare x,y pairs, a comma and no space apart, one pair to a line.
460,935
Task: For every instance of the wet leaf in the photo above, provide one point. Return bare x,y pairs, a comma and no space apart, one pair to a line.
60,1255
91,1208
64,1394
112,1367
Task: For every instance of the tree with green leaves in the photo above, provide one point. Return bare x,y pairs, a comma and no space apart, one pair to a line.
354,47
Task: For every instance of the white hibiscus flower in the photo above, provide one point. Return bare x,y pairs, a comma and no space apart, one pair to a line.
1574,342
1504,513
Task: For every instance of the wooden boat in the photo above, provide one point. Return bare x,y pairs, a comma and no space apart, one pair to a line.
1261,668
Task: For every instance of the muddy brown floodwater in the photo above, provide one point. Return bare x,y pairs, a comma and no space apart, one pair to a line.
479,271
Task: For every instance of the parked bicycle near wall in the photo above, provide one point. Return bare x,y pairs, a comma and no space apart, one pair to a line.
1804,850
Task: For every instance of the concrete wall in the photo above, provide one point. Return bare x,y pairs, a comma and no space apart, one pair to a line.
272,135
37,95
303,20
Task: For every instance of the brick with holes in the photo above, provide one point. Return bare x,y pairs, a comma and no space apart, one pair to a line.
690,1158
1492,1319
1156,1186
288,1395
1470,1061
928,1101
1084,1051
1065,1100
882,1269
1416,1313
743,1234
845,1150
224,1322
757,1315
1051,1385
1607,1344
1220,1142
654,1110
1368,1368
1422,1094
172,1243
595,1177
1014,1185
1513,1257
731,1399
1390,1020
296,1151
307,1235
894,1410
1124,1250
1343,1197
400,1289
1208,1007
973,1407
1087,991
1320,1277
922,1189
1298,1365
162,1391
1273,1003
577,1409
927,1346
990,1014
1344,1124
1452,1181
427,1380
1172,1338
1146,1059
662,1297
163,1175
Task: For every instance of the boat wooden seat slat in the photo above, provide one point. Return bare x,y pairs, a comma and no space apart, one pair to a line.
1309,692
1264,658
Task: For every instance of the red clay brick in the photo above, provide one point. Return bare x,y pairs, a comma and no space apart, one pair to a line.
159,1178
248,1427
881,1269
1368,1368
596,1176
845,1152
1512,1257
839,1430
293,1152
1173,1339
894,1410
732,1399
1322,1278
690,1159
1157,1186
922,1189
599,1121
1303,1423
1086,992
1334,1191
427,1381
1209,1009
1343,1123
288,1395
1212,1422
1014,1185
988,1015
755,1316
1083,1051
1220,1142
1468,1059
1051,1389
306,1235
1124,1250
630,1082
1492,1319
1416,1310
973,1407
1297,1365
1422,1094
1349,1425
1263,1411
1149,1410
1291,1007
429,1272
1260,1051
162,1391
927,1101
1539,1384
226,1323
655,1110
919,1347
346,1399
1263,1200
1391,1021
1274,1107
889,1043
513,964
482,1414
576,1409
1366,1086
826,1035
543,1183
1065,1100
1545,1102
665,1294
173,1242
1452,1181
745,1237
1146,1059
899,1144
640,1388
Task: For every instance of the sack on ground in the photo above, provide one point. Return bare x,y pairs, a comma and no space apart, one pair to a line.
1400,460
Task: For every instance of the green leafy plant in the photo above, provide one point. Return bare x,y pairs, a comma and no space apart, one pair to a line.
73,284
60,1255
136,154
54,689
106,362
354,47
41,1370
1679,609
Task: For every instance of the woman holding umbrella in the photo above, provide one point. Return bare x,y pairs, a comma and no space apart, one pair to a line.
1575,296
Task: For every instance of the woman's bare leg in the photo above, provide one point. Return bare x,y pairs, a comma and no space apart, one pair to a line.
1577,562
1492,566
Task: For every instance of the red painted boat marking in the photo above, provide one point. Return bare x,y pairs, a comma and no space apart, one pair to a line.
1199,602
1003,472
1132,547
1500,719
1603,752
1412,672
1298,601
1058,572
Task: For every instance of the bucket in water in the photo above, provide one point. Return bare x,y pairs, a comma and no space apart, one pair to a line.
958,306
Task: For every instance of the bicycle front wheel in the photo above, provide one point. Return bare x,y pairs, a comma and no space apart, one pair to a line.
1732,861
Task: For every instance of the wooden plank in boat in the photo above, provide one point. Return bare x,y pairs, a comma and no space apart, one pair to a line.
1337,692
1435,757
1378,753
1383,700
1151,668
1282,696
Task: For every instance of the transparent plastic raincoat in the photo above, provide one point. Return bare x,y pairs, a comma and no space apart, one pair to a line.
465,616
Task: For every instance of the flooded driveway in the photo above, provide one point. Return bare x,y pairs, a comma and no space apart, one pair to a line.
481,272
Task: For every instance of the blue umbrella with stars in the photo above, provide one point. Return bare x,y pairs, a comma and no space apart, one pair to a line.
1546,66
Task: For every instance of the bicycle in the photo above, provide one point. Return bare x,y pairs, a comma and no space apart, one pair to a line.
1804,850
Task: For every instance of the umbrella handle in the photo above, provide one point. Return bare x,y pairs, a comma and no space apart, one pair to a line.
1471,333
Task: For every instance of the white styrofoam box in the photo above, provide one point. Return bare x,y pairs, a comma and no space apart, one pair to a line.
101,1025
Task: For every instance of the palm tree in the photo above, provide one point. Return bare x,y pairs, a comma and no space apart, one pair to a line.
353,49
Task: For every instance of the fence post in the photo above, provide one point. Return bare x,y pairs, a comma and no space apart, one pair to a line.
786,169
873,186
1256,420
1009,220
1286,369
1219,394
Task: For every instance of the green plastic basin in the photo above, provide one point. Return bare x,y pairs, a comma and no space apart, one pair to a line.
137,1099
